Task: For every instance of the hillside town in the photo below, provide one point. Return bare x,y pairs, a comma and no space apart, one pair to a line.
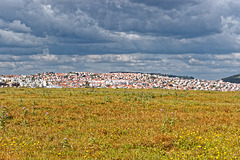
113,80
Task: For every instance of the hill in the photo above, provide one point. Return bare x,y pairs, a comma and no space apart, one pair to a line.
170,75
232,79
160,74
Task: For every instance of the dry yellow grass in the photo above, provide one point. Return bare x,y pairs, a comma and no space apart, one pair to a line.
119,124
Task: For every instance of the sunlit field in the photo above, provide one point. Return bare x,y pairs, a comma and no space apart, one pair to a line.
118,124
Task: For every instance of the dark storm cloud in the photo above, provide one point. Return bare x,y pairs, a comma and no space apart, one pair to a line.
109,25
113,27
166,4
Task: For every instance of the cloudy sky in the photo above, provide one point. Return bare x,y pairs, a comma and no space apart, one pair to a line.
199,38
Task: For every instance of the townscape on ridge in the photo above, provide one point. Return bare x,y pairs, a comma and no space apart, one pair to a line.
113,80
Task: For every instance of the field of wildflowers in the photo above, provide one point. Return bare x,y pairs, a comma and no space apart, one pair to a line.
118,124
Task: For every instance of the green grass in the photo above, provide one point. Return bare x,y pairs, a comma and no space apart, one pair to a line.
119,124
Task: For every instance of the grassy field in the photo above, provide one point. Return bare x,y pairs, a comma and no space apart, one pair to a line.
118,124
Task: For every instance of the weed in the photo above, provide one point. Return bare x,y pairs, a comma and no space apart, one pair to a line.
3,118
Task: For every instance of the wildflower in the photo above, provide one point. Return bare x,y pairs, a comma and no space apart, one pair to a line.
47,113
23,108
161,109
2,106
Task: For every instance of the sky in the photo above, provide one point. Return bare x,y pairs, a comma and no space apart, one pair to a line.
199,38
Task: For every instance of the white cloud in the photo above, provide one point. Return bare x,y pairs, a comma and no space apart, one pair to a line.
7,65
231,56
196,62
19,39
17,25
129,36
48,9
45,56
187,64
236,55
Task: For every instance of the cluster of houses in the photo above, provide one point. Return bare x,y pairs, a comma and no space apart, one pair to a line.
113,80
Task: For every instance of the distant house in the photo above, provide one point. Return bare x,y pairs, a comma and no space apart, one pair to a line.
2,84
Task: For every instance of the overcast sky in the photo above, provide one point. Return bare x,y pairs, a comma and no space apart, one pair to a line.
199,38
